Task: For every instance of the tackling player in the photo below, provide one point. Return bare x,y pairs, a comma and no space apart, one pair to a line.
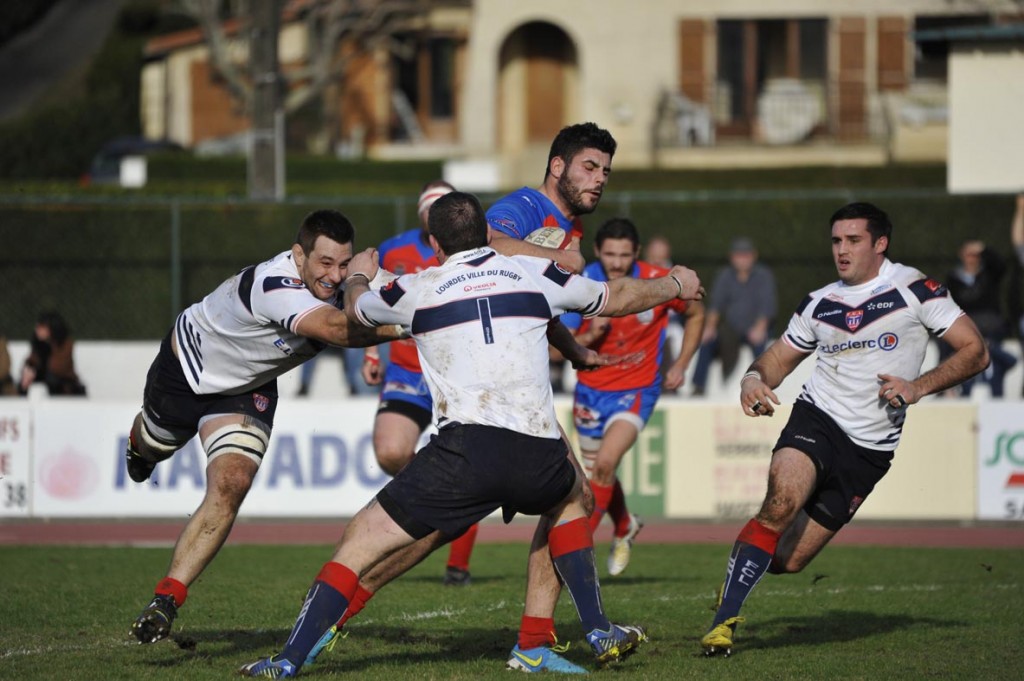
613,403
216,374
870,331
405,404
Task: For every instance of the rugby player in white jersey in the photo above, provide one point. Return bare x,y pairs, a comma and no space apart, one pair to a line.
480,323
870,331
216,375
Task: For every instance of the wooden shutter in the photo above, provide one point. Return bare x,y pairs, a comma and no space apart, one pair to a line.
852,91
892,53
691,59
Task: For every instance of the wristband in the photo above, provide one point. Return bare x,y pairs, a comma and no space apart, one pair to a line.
678,283
354,274
752,374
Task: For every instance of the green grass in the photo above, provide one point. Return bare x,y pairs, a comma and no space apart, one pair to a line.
856,613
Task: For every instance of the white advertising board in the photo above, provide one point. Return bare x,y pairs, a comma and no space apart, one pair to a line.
320,463
15,459
1001,461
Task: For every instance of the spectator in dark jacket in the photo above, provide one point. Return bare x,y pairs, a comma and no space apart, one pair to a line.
50,360
976,287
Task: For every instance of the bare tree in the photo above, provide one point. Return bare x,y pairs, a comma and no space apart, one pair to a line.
242,39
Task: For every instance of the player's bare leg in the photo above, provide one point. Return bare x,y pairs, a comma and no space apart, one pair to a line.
394,441
229,476
618,437
791,479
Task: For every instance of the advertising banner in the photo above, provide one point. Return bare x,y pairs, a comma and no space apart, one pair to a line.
1001,461
15,459
320,463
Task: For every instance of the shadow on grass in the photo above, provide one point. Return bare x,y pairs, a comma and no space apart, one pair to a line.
371,647
835,626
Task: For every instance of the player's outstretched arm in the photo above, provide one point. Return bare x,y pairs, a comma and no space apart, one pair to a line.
330,325
629,296
569,258
757,396
970,357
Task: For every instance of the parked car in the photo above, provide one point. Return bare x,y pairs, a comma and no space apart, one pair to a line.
105,167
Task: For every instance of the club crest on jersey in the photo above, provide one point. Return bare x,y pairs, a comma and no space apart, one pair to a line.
645,317
261,402
853,319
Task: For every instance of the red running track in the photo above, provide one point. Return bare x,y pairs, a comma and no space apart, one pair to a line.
143,533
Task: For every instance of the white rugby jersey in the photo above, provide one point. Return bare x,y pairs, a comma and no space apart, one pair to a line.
243,333
480,324
879,327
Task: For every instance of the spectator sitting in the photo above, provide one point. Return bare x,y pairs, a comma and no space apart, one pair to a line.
7,386
743,303
50,360
975,287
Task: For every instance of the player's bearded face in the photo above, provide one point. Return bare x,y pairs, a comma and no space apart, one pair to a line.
582,182
326,266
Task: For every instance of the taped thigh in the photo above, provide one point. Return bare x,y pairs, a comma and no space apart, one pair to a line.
160,440
247,439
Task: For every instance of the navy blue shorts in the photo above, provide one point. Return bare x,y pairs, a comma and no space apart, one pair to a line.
176,411
466,472
847,472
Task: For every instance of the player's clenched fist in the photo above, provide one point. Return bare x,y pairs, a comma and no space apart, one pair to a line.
689,283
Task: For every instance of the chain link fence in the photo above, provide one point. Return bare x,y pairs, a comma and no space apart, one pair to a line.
122,269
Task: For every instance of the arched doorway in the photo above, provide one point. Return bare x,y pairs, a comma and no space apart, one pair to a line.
537,86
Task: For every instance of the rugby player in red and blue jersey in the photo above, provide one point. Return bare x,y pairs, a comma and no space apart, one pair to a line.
613,403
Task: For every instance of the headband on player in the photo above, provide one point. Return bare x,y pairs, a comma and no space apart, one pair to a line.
428,197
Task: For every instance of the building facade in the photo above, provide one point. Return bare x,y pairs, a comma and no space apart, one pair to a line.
680,83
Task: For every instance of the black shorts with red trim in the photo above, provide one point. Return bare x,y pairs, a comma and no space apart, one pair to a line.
466,472
847,472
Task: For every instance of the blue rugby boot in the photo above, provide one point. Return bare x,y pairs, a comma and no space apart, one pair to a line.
269,668
617,643
542,659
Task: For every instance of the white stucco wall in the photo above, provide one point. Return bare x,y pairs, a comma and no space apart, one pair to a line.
986,143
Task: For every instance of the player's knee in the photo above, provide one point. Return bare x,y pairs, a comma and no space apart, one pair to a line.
777,511
392,456
603,473
231,485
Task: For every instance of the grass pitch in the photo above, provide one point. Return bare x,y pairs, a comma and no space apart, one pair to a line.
856,613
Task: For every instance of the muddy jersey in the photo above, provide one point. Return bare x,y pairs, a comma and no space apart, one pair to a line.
859,332
406,254
526,210
480,322
641,334
243,333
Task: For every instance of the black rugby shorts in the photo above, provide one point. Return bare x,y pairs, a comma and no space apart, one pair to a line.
847,472
466,472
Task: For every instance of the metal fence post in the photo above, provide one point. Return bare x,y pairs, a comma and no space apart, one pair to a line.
176,293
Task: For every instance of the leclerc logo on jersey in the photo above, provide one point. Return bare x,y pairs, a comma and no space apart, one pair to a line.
888,341
291,282
853,319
